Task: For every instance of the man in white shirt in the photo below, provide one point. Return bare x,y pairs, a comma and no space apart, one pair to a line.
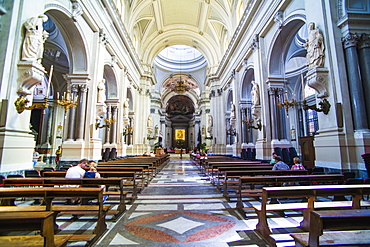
77,171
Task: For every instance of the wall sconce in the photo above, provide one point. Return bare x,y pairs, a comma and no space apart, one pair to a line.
151,138
250,126
286,102
127,131
67,101
21,104
324,106
107,125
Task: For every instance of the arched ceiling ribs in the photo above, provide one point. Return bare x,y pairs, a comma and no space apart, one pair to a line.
203,21
184,38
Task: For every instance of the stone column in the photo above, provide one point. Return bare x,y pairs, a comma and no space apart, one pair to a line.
162,130
273,117
250,131
350,42
107,130
364,56
280,115
72,116
244,134
114,126
81,112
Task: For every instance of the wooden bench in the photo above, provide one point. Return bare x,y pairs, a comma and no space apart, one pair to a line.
50,193
339,220
107,182
231,181
204,161
212,166
148,167
250,182
356,192
30,221
143,172
131,185
219,177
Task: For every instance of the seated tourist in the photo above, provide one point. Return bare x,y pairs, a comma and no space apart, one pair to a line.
280,165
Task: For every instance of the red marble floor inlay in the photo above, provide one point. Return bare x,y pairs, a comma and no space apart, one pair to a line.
136,227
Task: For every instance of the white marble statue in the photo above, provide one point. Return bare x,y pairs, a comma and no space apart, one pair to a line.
232,108
315,47
101,91
255,94
210,124
33,44
126,108
150,121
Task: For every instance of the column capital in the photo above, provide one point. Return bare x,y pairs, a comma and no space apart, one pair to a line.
83,87
350,40
77,78
364,41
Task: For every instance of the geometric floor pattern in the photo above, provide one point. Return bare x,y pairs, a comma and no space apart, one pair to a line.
181,208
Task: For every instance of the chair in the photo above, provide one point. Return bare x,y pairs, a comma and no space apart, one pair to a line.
286,156
244,154
113,154
105,156
293,152
253,154
278,151
32,174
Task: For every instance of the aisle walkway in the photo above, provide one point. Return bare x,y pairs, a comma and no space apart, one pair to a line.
181,208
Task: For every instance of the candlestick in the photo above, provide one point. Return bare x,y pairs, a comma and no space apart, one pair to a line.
286,97
48,85
303,93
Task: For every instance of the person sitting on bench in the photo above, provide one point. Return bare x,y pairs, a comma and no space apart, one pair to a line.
280,165
297,164
77,171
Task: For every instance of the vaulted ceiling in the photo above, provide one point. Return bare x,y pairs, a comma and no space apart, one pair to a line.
204,24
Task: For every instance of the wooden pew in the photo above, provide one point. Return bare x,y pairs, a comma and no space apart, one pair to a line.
219,177
204,160
357,219
231,182
30,221
211,168
278,181
50,193
130,185
144,171
107,182
356,192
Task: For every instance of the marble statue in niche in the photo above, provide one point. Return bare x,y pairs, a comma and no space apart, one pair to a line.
315,47
33,44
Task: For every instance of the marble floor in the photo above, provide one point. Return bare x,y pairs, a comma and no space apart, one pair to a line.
181,208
